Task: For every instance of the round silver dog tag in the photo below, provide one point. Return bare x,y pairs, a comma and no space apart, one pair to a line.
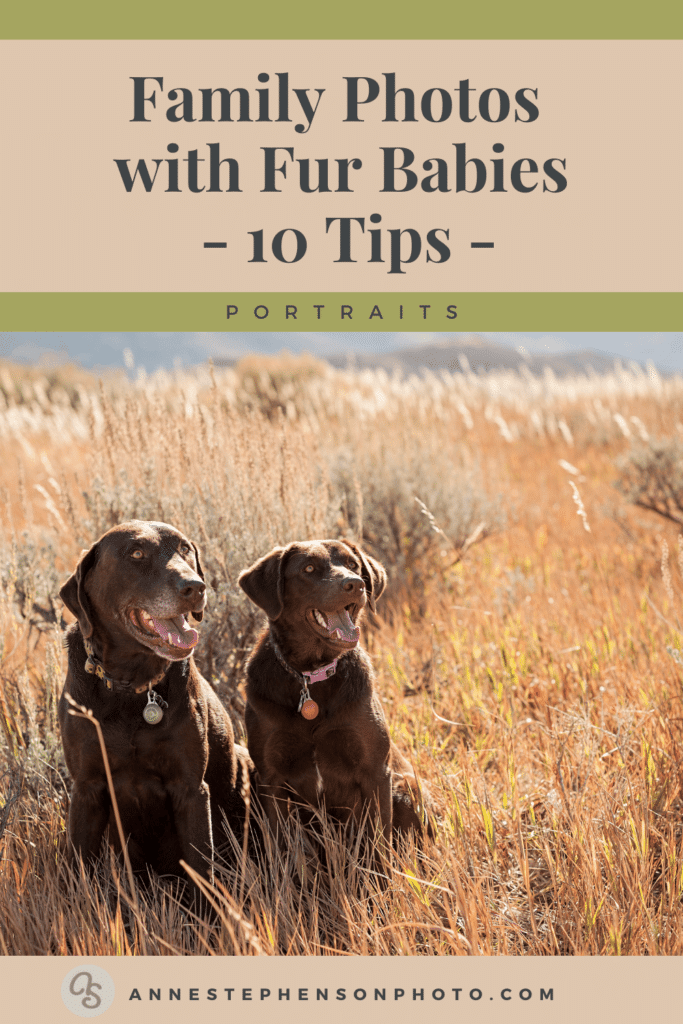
153,713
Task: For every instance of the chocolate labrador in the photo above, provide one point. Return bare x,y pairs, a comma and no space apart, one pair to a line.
169,740
315,726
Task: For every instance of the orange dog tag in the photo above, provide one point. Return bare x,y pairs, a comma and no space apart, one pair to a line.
309,709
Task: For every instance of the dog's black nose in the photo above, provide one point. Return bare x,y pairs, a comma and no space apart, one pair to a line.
192,588
354,585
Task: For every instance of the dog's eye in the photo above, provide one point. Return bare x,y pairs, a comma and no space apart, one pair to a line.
352,565
184,549
138,554
309,568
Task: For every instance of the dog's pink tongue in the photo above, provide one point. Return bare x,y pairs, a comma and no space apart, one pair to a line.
176,632
340,625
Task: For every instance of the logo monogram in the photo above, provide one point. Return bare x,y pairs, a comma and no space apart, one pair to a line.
89,994
88,990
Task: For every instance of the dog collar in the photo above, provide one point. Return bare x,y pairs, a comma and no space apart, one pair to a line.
153,711
321,673
94,667
314,676
307,706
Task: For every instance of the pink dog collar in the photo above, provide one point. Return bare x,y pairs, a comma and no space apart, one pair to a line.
307,706
321,673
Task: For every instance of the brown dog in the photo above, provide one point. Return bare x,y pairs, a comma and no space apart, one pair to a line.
169,740
316,727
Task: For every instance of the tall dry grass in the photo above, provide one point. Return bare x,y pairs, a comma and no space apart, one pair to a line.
533,677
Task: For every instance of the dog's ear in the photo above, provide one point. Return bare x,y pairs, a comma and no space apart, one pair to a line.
374,574
200,572
263,582
73,592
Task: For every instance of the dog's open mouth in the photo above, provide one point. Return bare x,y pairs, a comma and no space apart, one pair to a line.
337,626
172,632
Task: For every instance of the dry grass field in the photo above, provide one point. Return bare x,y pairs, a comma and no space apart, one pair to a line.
528,649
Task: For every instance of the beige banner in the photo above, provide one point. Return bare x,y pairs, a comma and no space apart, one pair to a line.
532,990
609,123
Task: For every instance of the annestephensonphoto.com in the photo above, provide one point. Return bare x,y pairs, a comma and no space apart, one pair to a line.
338,644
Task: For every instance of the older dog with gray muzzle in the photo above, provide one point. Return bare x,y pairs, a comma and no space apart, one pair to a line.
137,596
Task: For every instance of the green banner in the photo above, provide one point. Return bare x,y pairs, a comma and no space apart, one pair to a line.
339,311
355,19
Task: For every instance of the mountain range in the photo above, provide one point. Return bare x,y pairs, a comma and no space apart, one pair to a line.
468,353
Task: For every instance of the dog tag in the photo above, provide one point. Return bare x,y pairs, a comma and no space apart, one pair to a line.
309,709
153,712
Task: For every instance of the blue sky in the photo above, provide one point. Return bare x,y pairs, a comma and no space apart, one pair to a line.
153,350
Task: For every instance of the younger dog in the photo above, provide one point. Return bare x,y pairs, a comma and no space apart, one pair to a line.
315,726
